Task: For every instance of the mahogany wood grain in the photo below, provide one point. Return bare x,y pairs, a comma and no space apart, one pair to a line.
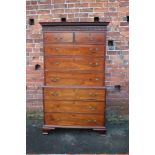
76,87
58,37
74,94
61,63
74,106
74,81
74,78
90,37
74,119
74,50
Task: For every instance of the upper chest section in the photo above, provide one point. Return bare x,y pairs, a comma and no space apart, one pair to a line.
78,33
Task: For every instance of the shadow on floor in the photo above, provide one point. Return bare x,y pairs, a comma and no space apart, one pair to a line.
73,141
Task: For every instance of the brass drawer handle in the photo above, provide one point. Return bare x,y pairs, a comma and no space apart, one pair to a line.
94,64
54,93
57,63
91,121
58,38
96,79
57,119
55,79
93,50
93,95
94,121
56,49
88,120
92,108
91,39
96,49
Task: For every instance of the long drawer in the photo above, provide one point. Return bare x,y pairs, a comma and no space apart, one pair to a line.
73,119
59,63
74,78
74,106
74,50
74,94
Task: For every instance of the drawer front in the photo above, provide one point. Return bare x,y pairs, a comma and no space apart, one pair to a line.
74,78
74,106
71,50
74,64
58,37
89,37
74,94
74,119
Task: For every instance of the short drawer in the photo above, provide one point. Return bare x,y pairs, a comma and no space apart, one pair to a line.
74,106
73,119
90,37
54,37
74,94
74,78
62,64
74,50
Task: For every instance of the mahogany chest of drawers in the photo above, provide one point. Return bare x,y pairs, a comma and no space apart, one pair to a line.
74,88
